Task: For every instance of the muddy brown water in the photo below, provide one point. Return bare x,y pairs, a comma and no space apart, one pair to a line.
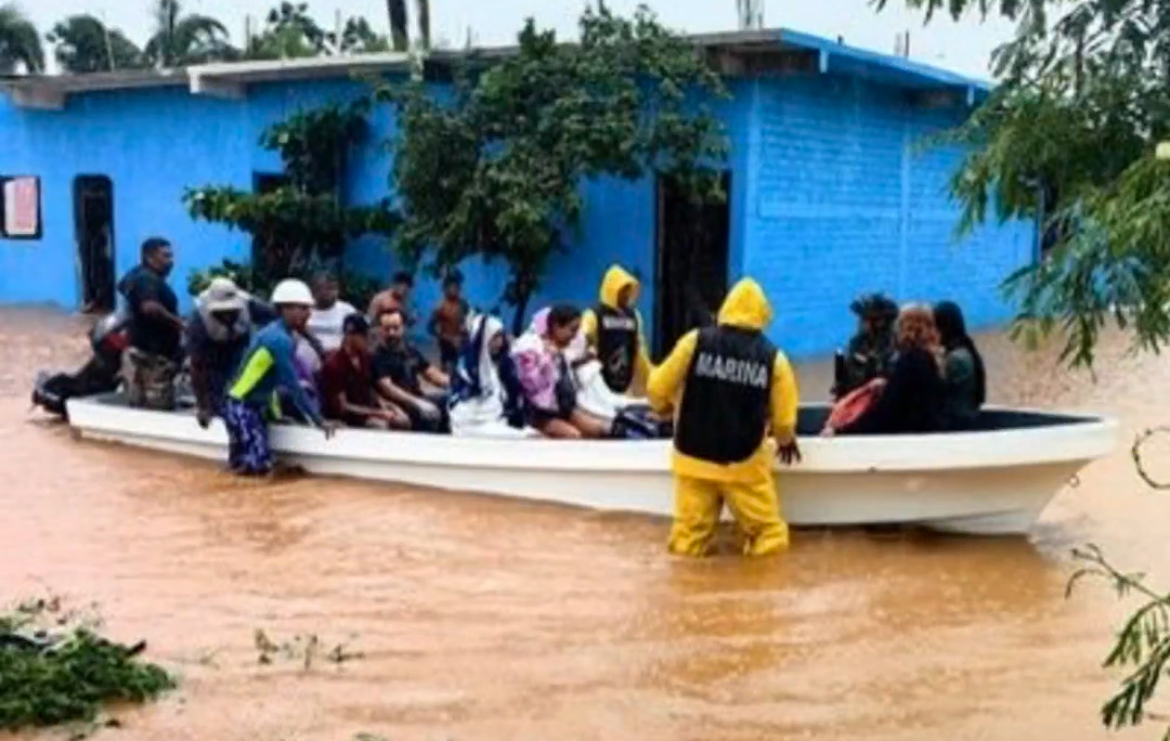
485,620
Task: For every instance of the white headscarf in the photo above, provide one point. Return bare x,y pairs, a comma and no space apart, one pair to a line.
489,374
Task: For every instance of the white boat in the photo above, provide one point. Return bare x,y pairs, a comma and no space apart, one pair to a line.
995,481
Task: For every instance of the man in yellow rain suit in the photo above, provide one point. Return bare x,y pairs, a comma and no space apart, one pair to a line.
735,388
614,330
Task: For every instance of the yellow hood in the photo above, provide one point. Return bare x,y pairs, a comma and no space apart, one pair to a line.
746,306
616,278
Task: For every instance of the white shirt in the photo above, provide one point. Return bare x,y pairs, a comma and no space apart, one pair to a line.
326,326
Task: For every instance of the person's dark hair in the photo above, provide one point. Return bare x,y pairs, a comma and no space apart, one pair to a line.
952,329
404,277
153,245
562,315
453,278
875,306
355,324
324,276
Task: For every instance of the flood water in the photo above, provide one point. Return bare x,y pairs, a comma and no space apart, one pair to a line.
487,620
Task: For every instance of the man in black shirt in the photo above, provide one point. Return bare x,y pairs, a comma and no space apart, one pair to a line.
152,360
399,369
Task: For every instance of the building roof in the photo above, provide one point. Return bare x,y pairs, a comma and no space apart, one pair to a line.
754,52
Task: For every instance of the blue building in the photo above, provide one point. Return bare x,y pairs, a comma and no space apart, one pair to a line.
831,192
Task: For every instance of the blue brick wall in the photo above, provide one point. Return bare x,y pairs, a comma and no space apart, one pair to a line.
151,145
843,199
154,143
829,198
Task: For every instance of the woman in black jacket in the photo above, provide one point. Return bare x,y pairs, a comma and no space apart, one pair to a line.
965,379
912,398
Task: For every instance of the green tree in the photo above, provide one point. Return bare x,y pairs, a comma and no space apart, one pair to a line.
1069,136
289,32
1074,136
182,40
82,43
496,172
20,44
305,223
359,38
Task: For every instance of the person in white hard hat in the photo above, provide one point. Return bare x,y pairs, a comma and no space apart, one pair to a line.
268,368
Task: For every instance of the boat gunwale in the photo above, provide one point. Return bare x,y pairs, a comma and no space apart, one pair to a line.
1076,438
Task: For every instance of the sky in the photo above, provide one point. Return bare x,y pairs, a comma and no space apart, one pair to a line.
963,47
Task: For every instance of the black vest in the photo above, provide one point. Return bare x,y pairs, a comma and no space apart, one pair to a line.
617,346
726,400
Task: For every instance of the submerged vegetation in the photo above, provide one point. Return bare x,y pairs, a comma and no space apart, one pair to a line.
305,649
56,669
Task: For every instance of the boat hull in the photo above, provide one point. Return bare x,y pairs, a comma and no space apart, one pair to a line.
988,483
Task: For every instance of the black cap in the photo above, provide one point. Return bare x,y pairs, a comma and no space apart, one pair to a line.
355,324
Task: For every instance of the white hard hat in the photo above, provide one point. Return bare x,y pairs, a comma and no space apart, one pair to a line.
292,291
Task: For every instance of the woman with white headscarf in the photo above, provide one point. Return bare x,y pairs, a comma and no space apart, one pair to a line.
486,399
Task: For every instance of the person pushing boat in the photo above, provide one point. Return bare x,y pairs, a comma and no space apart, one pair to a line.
731,387
268,366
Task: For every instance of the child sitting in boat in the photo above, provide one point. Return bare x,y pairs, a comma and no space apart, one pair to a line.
449,321
486,396
268,366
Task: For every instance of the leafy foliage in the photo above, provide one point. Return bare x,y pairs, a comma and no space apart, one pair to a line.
20,44
82,44
68,674
358,37
181,40
1069,137
305,224
496,172
1143,644
291,32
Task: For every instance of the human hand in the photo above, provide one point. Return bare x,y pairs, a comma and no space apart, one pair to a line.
429,411
204,417
789,453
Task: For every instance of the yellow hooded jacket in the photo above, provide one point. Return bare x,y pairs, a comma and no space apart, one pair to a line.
616,279
746,307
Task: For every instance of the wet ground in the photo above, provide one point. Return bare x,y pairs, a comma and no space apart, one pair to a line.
487,620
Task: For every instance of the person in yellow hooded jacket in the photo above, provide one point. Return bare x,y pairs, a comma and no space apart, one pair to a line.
614,330
730,388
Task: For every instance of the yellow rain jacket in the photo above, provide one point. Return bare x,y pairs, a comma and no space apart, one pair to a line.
616,278
747,486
